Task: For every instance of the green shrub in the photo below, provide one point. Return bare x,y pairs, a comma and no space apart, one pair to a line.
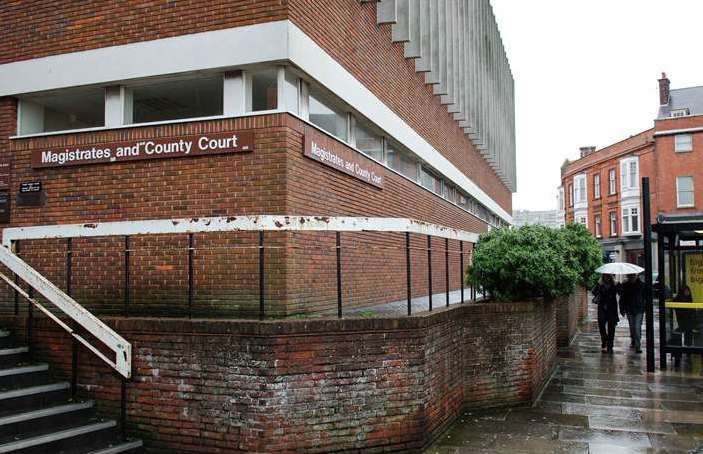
584,253
527,262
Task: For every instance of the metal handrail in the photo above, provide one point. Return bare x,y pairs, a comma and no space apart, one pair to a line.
122,349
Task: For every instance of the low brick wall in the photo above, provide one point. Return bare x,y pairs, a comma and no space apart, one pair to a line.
571,311
379,384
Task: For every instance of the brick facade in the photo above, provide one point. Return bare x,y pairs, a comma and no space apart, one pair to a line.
317,385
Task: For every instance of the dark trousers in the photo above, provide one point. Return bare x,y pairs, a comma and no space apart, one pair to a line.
606,326
635,322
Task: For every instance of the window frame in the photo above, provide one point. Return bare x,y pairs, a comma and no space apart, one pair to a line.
612,181
677,145
692,191
596,186
598,225
613,218
627,215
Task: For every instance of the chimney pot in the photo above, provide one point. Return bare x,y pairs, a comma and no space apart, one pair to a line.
664,91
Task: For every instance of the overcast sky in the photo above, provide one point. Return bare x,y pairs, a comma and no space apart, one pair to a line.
586,74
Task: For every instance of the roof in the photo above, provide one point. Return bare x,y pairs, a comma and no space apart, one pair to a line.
683,98
617,149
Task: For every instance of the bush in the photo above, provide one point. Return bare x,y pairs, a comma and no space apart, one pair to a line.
528,262
584,253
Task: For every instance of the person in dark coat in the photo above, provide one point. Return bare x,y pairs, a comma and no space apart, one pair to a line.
632,306
605,296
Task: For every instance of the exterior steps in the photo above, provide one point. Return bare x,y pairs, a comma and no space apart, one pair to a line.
39,415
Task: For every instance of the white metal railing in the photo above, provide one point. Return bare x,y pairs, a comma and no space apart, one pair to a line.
122,349
236,223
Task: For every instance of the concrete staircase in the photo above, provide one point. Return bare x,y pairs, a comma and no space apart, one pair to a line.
38,414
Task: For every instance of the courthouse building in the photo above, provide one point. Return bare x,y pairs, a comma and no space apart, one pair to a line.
171,172
218,110
602,187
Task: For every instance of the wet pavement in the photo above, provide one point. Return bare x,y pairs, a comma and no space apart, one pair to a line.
594,403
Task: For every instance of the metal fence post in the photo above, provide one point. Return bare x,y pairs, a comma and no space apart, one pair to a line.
339,273
30,320
407,270
123,407
446,266
125,305
16,250
262,312
473,285
74,366
461,268
649,314
69,254
191,249
429,269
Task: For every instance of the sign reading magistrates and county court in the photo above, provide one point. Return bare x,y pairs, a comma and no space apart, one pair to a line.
140,149
335,154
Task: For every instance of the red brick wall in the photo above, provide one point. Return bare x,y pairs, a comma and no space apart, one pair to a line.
317,385
32,29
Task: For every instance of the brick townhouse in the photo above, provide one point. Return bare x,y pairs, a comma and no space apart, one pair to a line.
601,189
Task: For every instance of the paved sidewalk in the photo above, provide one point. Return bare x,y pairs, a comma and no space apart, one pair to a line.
595,403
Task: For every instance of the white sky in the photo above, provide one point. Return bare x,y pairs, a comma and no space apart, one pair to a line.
586,74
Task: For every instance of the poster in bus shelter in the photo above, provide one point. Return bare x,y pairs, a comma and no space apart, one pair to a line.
694,275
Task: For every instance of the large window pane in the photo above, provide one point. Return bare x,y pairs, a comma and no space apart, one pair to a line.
327,116
684,191
173,100
401,162
430,181
368,142
264,90
291,93
68,109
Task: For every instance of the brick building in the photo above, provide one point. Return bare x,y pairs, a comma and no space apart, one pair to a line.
166,110
160,163
602,187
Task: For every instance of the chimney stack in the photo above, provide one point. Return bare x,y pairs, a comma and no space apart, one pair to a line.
585,151
664,84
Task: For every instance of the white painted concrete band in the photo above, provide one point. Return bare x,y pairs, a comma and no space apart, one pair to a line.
233,224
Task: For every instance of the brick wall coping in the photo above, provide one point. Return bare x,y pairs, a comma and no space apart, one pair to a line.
228,327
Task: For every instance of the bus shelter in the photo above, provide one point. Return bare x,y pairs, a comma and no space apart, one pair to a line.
679,287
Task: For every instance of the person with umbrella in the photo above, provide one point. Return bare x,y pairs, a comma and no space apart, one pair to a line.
605,296
632,306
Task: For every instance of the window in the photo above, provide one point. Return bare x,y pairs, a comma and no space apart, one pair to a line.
630,220
401,161
571,195
679,113
683,143
67,109
175,99
580,188
613,224
582,220
263,94
291,92
326,115
684,192
368,142
629,173
598,227
596,186
430,181
612,185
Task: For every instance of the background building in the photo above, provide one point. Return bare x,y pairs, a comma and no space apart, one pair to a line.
549,218
602,187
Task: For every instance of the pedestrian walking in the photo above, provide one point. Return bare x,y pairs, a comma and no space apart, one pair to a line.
605,296
632,306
